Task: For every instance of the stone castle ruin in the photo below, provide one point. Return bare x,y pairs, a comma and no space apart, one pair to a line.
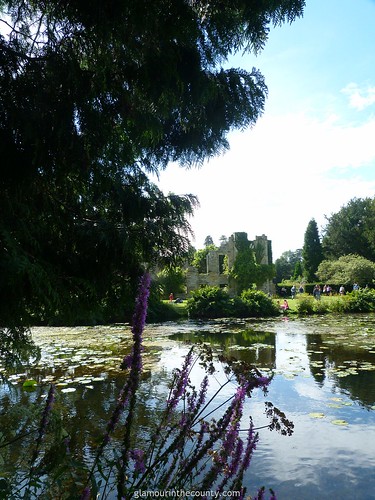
215,265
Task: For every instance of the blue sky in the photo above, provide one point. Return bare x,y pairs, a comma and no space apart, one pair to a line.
314,147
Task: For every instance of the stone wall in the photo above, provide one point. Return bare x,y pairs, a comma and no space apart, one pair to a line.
215,276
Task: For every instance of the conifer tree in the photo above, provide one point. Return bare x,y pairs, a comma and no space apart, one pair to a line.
312,251
95,96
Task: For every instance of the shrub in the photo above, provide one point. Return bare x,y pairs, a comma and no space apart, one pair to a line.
258,304
321,307
214,302
210,302
338,304
305,305
361,301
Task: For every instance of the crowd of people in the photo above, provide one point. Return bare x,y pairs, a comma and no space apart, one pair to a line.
318,291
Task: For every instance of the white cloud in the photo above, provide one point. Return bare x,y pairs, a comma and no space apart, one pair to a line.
359,98
278,176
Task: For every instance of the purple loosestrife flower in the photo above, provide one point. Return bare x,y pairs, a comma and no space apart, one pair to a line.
127,362
181,382
273,495
138,324
252,440
203,391
233,467
44,420
86,494
138,456
134,359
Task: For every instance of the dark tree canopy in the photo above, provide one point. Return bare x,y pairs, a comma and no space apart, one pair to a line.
93,97
312,253
351,230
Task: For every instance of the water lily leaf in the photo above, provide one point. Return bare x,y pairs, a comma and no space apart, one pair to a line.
69,389
316,415
29,383
339,421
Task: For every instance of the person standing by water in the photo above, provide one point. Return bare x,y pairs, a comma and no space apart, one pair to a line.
316,292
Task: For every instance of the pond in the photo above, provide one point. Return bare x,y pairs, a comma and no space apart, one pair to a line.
323,379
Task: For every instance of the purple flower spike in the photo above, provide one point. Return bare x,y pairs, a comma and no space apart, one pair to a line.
140,312
86,494
46,413
181,382
138,456
134,359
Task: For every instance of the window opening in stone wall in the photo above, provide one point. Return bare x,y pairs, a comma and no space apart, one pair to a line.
221,264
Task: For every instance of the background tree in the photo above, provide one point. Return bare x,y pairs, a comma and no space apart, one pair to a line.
223,239
172,280
94,97
244,269
200,258
208,241
286,264
298,271
312,253
347,270
351,230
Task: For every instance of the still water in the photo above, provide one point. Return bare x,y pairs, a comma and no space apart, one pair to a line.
323,379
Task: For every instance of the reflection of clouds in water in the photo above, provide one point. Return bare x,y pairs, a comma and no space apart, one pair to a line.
291,353
174,358
305,460
308,390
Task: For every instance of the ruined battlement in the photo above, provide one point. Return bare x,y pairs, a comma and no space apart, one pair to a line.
214,275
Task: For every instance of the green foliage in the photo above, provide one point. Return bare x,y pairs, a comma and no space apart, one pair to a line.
351,230
298,271
347,270
338,304
286,264
247,269
209,302
312,253
200,258
305,305
93,98
361,301
214,302
258,304
17,347
172,280
244,269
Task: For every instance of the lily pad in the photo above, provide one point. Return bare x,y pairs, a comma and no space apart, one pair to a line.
69,389
29,383
339,421
316,415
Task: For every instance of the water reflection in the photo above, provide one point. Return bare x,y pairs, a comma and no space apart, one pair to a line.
324,379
